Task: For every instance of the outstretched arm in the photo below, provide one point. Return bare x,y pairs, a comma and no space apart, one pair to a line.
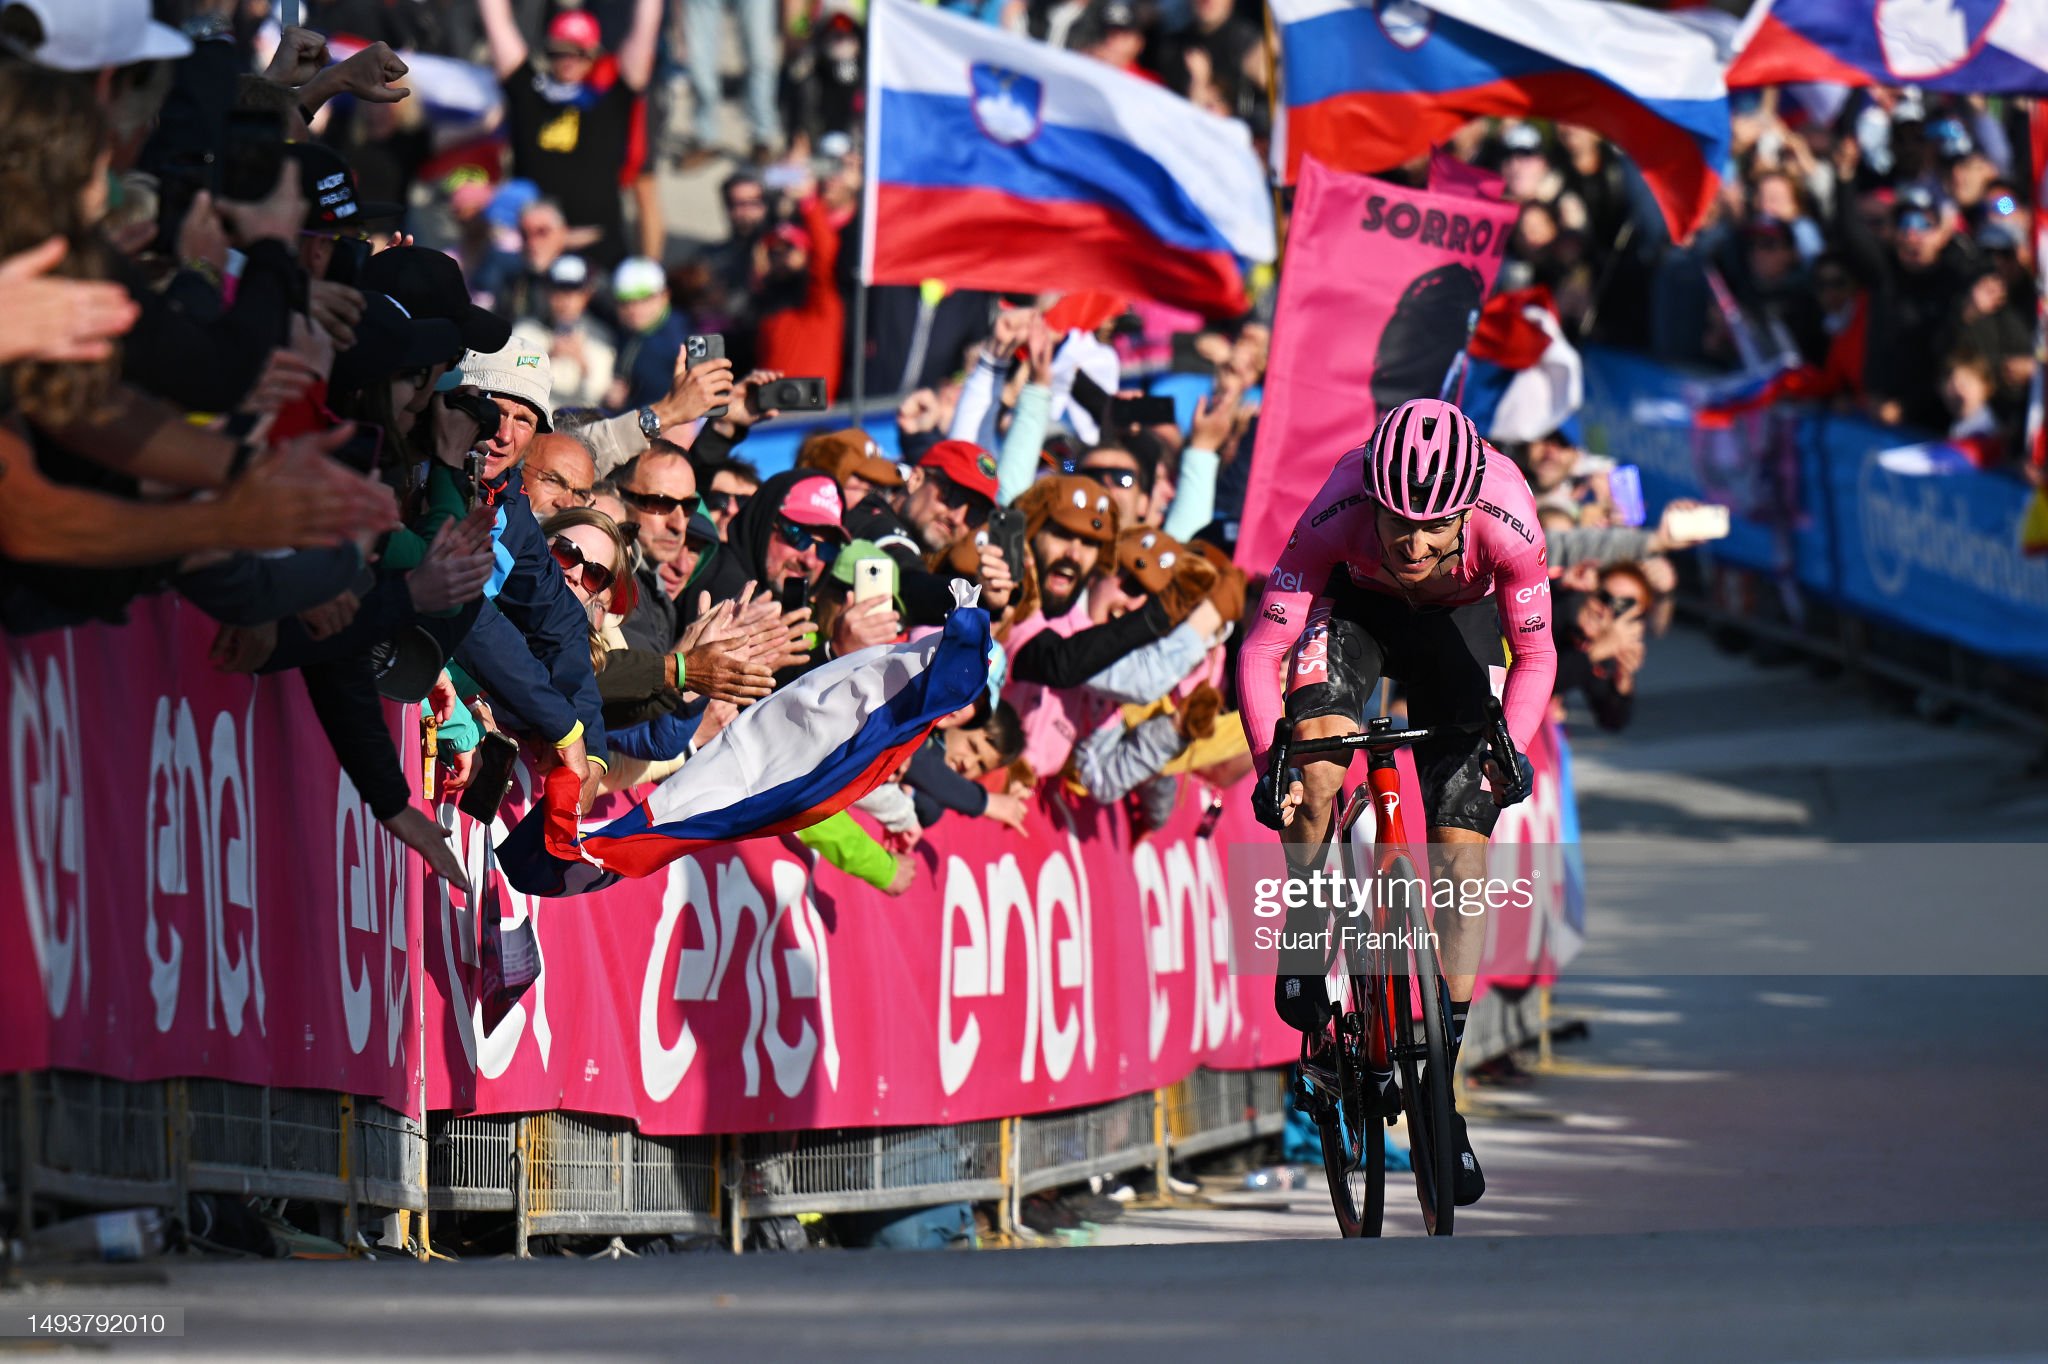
501,31
636,53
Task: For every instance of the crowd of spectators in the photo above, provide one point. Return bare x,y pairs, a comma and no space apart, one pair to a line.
422,422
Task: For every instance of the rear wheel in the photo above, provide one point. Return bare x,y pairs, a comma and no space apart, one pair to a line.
1425,1088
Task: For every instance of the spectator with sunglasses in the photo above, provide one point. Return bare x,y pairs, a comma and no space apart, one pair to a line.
1602,648
952,490
728,485
659,490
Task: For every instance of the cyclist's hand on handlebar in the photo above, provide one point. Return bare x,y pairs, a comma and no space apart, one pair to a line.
1276,816
1507,793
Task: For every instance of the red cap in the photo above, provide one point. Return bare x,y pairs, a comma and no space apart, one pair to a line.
814,502
966,463
575,28
792,233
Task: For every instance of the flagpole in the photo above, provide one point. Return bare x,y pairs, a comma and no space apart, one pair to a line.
871,129
1277,113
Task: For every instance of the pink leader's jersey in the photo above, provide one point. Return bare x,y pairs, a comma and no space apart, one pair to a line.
1504,557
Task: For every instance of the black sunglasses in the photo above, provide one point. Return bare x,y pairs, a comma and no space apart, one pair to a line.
1110,474
962,499
1620,606
803,538
718,502
597,578
658,504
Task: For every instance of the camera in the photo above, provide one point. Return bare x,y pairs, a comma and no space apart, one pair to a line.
789,395
477,408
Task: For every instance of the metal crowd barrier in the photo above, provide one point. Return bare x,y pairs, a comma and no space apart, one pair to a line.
86,1139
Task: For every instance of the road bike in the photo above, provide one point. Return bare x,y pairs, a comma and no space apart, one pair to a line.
1394,1011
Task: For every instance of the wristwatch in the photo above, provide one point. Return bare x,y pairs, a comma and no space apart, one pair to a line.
650,425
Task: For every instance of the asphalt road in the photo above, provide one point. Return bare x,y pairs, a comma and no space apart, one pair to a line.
1726,1167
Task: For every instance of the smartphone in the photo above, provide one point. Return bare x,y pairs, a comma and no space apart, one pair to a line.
874,578
1146,411
789,395
492,780
251,156
698,349
795,594
1006,533
1092,397
1625,487
1697,524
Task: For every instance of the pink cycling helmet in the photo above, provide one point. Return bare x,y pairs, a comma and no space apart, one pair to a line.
1425,461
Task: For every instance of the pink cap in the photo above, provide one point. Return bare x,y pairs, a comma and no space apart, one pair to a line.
575,28
814,502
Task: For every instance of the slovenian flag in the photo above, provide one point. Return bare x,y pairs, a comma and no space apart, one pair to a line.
1370,84
1000,163
806,752
1961,47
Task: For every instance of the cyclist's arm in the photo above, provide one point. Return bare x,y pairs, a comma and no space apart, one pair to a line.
1521,593
1283,612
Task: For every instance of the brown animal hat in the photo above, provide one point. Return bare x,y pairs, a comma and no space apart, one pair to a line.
851,451
1149,556
1078,505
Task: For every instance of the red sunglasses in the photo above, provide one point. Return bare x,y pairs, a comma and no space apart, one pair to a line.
597,578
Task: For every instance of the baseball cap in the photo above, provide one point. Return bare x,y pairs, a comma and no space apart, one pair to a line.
1951,139
429,283
849,452
636,278
1520,137
814,502
1119,14
330,189
793,233
964,462
575,28
700,529
88,35
1077,505
569,272
517,370
390,340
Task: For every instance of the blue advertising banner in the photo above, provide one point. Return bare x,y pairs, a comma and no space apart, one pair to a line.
1934,548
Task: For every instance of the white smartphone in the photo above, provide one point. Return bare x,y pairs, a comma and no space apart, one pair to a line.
874,578
1693,525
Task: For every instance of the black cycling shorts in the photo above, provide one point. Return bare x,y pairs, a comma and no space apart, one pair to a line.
1451,661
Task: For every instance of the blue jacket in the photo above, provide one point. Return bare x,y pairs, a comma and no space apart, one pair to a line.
540,666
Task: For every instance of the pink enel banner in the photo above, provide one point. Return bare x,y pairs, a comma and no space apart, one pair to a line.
1379,285
192,886
741,990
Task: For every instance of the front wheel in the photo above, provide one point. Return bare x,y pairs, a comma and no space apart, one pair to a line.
1353,1135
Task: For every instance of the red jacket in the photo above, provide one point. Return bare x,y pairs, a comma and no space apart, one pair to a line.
809,340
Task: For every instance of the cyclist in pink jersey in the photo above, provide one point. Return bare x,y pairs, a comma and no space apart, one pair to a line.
1388,574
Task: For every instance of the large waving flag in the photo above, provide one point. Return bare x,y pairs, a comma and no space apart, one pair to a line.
1000,163
808,751
1370,84
1997,47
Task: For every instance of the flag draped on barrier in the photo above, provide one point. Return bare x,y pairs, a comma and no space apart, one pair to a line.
1000,163
1953,46
1370,84
1379,293
808,751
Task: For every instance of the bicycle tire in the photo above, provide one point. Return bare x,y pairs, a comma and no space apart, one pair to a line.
1354,1144
1428,1108
1353,1132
